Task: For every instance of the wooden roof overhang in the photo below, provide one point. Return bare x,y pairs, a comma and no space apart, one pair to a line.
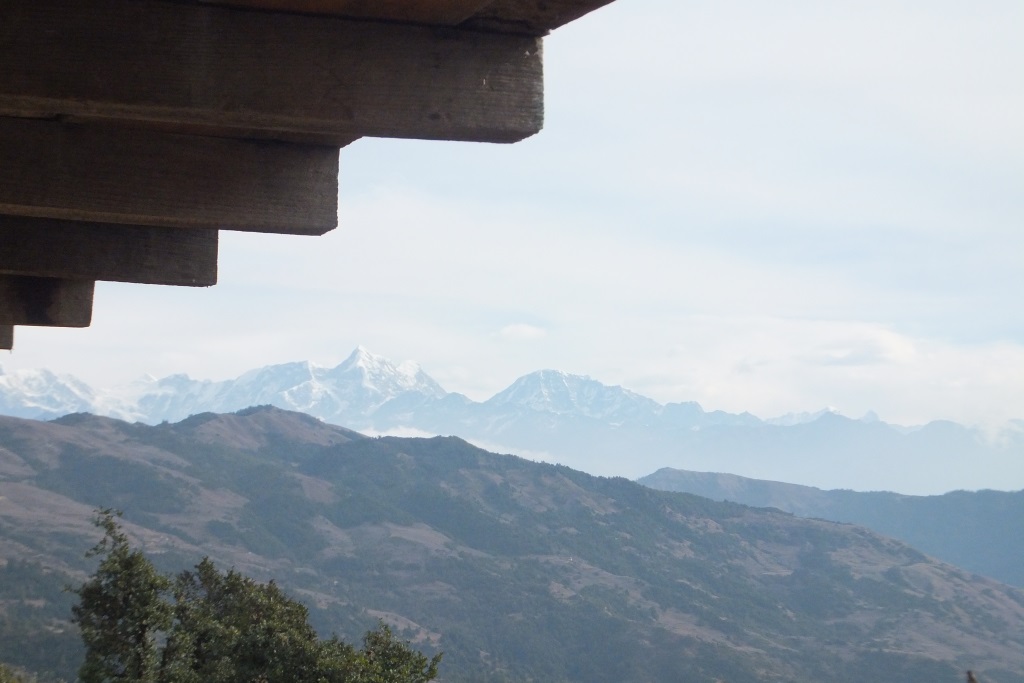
132,131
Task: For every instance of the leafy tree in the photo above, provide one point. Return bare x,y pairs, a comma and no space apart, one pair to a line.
231,628
384,659
206,626
121,611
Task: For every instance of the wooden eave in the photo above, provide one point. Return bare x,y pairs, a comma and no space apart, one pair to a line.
535,17
132,131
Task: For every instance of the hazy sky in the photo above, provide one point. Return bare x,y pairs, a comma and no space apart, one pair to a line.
770,207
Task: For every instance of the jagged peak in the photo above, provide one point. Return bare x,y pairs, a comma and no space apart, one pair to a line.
301,366
792,419
365,359
559,392
380,374
550,376
362,357
542,379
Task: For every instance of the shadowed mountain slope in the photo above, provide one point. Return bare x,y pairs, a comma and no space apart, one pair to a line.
982,531
517,570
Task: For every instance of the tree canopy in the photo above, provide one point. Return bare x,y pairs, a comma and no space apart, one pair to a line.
209,626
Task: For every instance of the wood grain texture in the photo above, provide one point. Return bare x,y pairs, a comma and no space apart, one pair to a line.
531,17
437,12
6,337
50,302
118,253
238,73
50,169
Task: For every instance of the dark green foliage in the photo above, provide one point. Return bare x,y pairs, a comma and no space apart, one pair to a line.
121,611
384,659
206,626
228,627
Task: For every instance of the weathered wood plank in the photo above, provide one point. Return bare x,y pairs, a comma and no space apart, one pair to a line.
245,73
98,251
531,17
6,337
50,169
437,12
50,302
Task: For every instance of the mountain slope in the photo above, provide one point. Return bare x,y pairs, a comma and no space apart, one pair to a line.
517,570
981,531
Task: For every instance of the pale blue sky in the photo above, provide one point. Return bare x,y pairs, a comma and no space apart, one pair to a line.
770,207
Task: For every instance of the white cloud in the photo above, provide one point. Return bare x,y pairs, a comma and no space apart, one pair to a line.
522,332
770,366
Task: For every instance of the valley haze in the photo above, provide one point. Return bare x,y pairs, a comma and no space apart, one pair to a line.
568,419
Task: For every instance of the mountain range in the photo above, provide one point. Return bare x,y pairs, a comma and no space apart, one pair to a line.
569,419
517,570
982,531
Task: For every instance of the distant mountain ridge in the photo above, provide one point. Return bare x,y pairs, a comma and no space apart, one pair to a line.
517,570
559,417
347,392
982,531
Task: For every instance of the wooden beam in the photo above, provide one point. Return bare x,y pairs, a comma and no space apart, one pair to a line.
221,71
50,169
531,18
51,302
437,12
118,253
6,337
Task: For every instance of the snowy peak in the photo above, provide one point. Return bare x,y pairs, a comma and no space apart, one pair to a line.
560,393
43,394
793,419
347,394
362,359
289,385
378,375
557,417
367,391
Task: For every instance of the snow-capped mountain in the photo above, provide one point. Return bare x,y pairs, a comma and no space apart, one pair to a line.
348,393
43,394
790,419
555,416
560,393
